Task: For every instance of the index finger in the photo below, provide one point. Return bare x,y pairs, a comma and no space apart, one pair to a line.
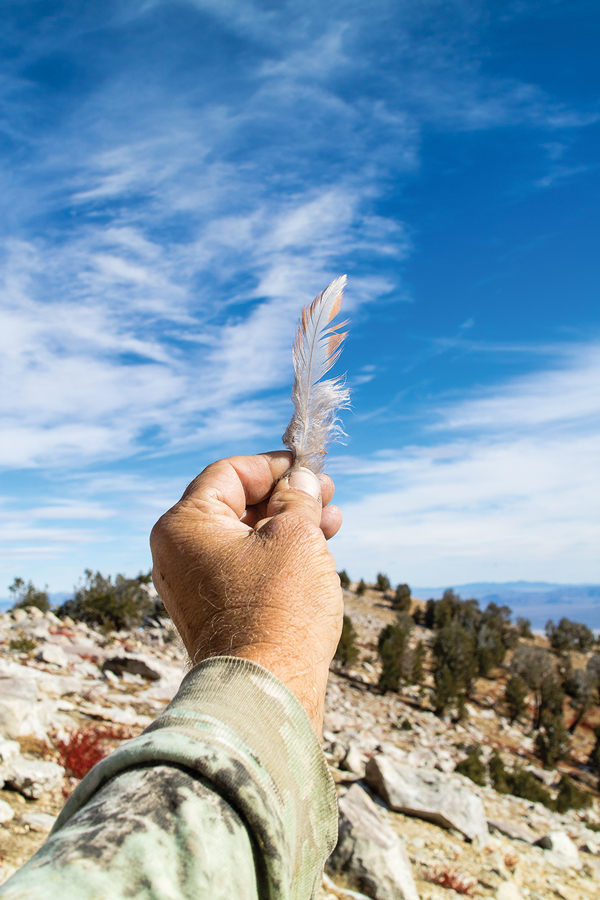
230,485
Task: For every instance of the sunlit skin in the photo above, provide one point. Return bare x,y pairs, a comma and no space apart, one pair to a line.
242,565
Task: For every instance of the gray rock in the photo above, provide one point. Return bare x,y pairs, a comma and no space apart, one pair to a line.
369,855
6,812
421,757
335,721
428,794
508,891
18,713
561,851
53,654
32,777
354,761
134,665
513,831
9,750
42,822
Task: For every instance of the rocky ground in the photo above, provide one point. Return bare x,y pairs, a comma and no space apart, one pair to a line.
409,826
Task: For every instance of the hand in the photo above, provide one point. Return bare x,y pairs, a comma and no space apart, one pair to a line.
242,566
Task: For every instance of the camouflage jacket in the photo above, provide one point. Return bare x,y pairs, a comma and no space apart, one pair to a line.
225,796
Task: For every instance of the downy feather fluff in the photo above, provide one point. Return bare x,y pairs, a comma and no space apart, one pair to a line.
317,346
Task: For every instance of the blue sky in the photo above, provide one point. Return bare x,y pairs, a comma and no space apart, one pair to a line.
178,179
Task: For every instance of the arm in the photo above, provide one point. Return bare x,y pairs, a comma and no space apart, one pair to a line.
227,794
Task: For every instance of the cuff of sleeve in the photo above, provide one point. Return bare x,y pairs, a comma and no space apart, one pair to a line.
236,724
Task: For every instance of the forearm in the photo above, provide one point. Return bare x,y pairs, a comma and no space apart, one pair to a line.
226,795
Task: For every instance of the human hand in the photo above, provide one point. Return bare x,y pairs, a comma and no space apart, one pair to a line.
242,566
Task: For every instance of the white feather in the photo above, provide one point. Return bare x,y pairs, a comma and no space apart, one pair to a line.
317,346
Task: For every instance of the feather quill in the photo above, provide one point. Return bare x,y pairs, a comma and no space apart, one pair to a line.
317,347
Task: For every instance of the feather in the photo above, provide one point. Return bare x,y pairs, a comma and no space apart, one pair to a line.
317,347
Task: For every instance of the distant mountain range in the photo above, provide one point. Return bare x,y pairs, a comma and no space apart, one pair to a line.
536,600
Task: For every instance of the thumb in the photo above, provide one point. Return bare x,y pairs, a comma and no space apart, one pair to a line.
299,494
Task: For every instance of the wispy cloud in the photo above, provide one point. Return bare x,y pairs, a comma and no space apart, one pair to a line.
511,489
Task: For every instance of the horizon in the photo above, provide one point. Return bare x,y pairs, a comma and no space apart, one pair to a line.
503,593
180,179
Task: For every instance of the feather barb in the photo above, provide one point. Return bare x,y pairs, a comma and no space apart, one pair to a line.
317,348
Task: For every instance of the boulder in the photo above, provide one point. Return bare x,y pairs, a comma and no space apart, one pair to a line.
421,757
508,891
6,812
32,777
560,850
134,665
428,794
53,654
9,750
354,761
513,831
39,821
18,701
369,855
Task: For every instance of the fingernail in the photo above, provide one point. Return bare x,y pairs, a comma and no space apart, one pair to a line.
304,480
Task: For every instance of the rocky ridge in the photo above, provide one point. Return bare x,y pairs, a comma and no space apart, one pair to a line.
410,826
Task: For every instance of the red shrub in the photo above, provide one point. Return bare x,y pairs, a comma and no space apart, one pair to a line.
450,877
85,748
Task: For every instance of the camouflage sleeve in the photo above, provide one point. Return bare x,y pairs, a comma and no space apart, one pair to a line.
226,795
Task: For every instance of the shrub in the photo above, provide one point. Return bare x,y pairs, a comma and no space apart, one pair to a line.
581,687
405,725
449,877
392,652
86,747
429,620
344,579
552,740
594,757
22,644
568,635
498,774
27,595
524,627
570,797
515,697
519,783
535,666
382,582
347,651
402,598
418,658
361,588
525,784
455,664
472,766
122,604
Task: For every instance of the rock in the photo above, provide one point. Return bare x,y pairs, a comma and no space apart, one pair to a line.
428,794
53,654
508,891
32,778
9,750
561,851
134,665
369,854
353,761
42,822
335,721
18,696
125,716
6,812
422,758
513,831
